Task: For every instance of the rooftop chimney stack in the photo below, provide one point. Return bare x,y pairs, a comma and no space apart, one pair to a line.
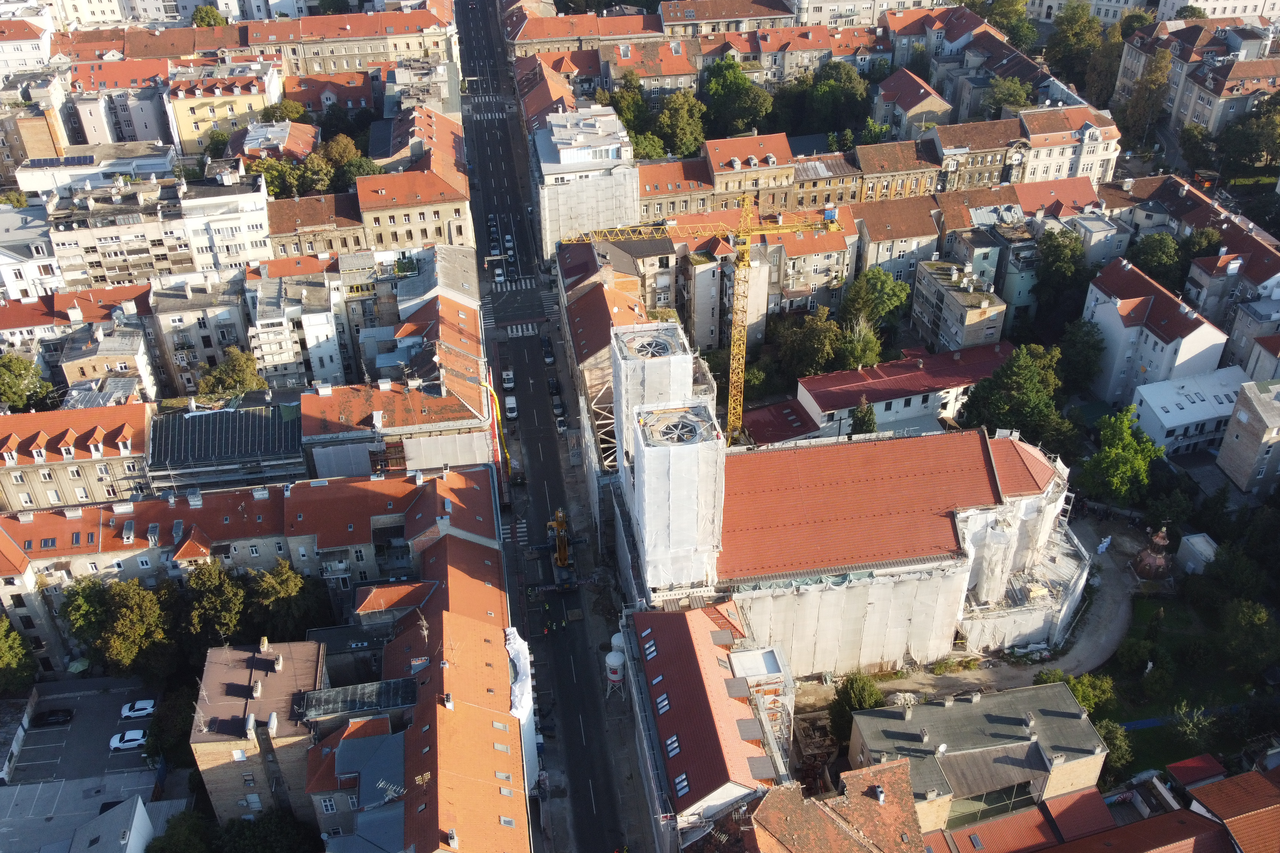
263,645
880,795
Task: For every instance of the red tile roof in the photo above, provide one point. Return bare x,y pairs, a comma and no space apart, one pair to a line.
1080,814
889,500
893,380
1197,769
305,266
1182,831
123,74
469,578
1061,198
1064,126
905,90
1022,832
779,422
354,86
890,157
1270,344
936,842
676,177
979,136
300,141
406,189
1249,804
679,11
654,59
391,596
954,20
1145,303
445,150
195,545
894,219
542,91
719,152
25,432
852,822
96,304
16,30
702,716
287,216
573,63
470,505
336,27
322,758
585,27
595,313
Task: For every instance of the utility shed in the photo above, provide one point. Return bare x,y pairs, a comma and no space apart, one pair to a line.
228,448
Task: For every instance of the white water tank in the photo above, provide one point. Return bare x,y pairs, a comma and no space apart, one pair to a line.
613,663
619,643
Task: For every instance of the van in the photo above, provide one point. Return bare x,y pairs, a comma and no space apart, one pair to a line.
510,405
508,379
557,406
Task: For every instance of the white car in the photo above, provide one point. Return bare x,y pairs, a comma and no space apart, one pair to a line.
136,710
499,275
129,740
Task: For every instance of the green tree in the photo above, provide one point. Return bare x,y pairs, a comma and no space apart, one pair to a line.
21,386
284,111
1134,21
1100,78
1198,147
855,692
186,832
1187,13
218,139
1119,471
859,301
1119,751
281,177
1091,691
1076,37
340,150
207,16
920,63
1157,255
17,666
847,140
1193,725
1136,115
237,374
646,146
117,622
169,729
1169,509
1082,347
283,604
679,124
1006,92
1021,33
1009,17
808,349
1200,243
860,347
1062,277
888,294
1020,395
316,175
272,831
215,602
863,419
335,122
839,99
334,7
346,175
833,141
734,103
14,198
1249,634
872,132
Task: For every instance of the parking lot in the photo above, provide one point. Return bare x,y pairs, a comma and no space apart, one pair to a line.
81,749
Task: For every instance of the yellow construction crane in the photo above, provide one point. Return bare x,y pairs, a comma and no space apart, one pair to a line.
750,224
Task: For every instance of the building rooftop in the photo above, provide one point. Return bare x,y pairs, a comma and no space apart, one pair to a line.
988,746
1181,830
350,408
228,684
199,438
917,373
1192,770
371,697
778,422
100,341
1193,398
1142,302
1265,397
594,314
967,290
1060,198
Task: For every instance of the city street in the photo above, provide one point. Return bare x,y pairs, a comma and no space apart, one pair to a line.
521,310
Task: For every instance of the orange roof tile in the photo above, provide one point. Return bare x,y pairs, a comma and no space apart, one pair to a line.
594,314
719,152
470,498
194,546
119,423
1197,769
1145,303
905,90
1064,126
1182,831
1249,804
407,189
391,596
676,176
96,305
306,265
350,408
1062,198
893,380
1022,832
288,216
778,422
343,513
322,757
585,27
309,90
122,74
1080,814
891,157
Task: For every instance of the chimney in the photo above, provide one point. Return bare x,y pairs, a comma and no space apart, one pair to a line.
448,701
453,839
263,645
272,722
74,314
906,712
279,664
1182,191
257,688
377,419
880,795
249,725
924,735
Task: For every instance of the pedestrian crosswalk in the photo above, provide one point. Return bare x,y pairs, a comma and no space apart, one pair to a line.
520,533
550,305
524,282
489,116
522,330
486,310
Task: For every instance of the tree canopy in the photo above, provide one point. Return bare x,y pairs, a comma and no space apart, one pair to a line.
1076,38
1187,13
1157,255
207,16
218,139
734,103
118,622
1120,470
1134,21
1020,395
863,419
284,111
334,7
810,348
1091,691
1100,78
21,386
316,175
679,124
1082,347
17,666
1009,17
14,198
855,692
873,295
1136,115
647,146
237,374
359,167
282,603
214,604
1198,147
281,177
1006,92
340,150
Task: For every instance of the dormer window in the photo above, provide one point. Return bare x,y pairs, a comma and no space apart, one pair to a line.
10,458
124,445
95,450
38,453
68,453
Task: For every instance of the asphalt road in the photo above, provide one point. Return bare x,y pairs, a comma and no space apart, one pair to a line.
500,187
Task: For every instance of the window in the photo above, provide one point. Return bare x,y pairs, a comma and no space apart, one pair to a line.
888,407
54,497
18,479
663,703
682,784
673,746
353,801
501,747
359,555
74,472
650,650
49,543
327,805
46,476
500,726
253,550
144,563
506,821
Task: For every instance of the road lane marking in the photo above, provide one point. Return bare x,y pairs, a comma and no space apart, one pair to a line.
582,729
573,668
593,795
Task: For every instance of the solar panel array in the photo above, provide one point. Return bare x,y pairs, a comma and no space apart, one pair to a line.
50,162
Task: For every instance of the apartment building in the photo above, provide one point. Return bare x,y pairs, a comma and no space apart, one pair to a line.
121,101
423,139
808,268
760,166
938,32
1016,272
818,13
892,170
1151,336
690,18
421,83
1247,323
978,154
130,232
1263,363
662,67
403,212
527,34
314,224
1247,454
1224,94
117,349
68,458
194,319
1070,142
331,44
952,309
96,166
823,179
772,57
24,46
584,175
28,267
202,99
1196,46
1189,414
293,334
908,105
228,448
543,91
28,132
896,235
349,90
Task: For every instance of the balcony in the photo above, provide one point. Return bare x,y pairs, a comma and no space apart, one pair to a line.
183,346
335,569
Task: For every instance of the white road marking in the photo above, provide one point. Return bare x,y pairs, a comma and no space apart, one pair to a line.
583,730
574,669
593,795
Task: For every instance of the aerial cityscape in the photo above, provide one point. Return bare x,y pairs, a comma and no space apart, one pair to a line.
724,426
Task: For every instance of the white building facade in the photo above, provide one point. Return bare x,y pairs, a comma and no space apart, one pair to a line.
1190,414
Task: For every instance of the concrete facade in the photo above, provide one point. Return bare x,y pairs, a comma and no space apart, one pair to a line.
1247,454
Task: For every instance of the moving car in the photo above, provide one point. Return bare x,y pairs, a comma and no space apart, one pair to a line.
54,717
499,275
141,708
548,353
508,379
492,219
129,740
510,405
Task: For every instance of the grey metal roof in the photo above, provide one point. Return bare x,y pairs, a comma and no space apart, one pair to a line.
187,438
994,729
358,698
378,830
379,764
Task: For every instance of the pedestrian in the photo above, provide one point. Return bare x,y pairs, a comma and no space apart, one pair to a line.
563,623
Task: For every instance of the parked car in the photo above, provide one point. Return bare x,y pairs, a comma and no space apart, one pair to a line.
557,405
553,385
54,717
492,219
509,404
561,425
548,352
141,708
493,248
129,740
499,275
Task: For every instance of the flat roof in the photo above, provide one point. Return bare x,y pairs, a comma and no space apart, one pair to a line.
1193,398
230,672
